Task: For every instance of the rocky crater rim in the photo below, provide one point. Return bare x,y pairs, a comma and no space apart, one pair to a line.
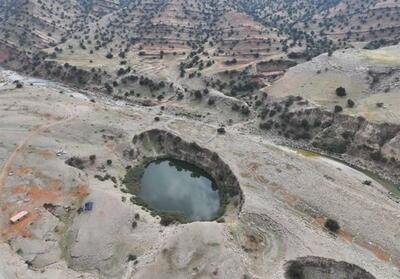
158,144
323,268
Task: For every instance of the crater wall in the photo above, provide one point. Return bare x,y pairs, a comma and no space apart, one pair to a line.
323,268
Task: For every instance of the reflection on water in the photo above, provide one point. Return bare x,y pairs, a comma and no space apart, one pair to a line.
175,186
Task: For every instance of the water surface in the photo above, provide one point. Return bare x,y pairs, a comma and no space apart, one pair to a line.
176,186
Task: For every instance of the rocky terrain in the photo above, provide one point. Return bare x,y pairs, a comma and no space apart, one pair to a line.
280,219
291,107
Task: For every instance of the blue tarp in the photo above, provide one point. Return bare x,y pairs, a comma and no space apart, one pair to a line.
88,206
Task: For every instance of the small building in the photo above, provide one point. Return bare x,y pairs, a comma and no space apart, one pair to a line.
19,216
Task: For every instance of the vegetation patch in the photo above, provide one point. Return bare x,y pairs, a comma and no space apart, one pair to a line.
332,225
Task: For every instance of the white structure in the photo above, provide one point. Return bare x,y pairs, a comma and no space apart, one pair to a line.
19,216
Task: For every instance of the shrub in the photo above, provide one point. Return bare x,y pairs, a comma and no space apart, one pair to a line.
109,162
272,113
266,125
338,109
258,103
134,224
168,218
92,158
245,110
376,155
304,123
108,87
211,101
337,147
221,130
350,103
235,107
198,95
332,225
341,92
75,162
317,123
132,257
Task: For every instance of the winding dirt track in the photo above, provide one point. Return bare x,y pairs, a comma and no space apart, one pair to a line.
9,162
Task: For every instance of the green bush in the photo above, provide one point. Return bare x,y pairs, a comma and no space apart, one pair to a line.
132,258
338,147
168,218
75,162
338,109
332,225
221,130
341,92
92,158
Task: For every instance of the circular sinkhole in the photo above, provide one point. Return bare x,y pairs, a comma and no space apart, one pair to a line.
181,181
175,190
323,268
